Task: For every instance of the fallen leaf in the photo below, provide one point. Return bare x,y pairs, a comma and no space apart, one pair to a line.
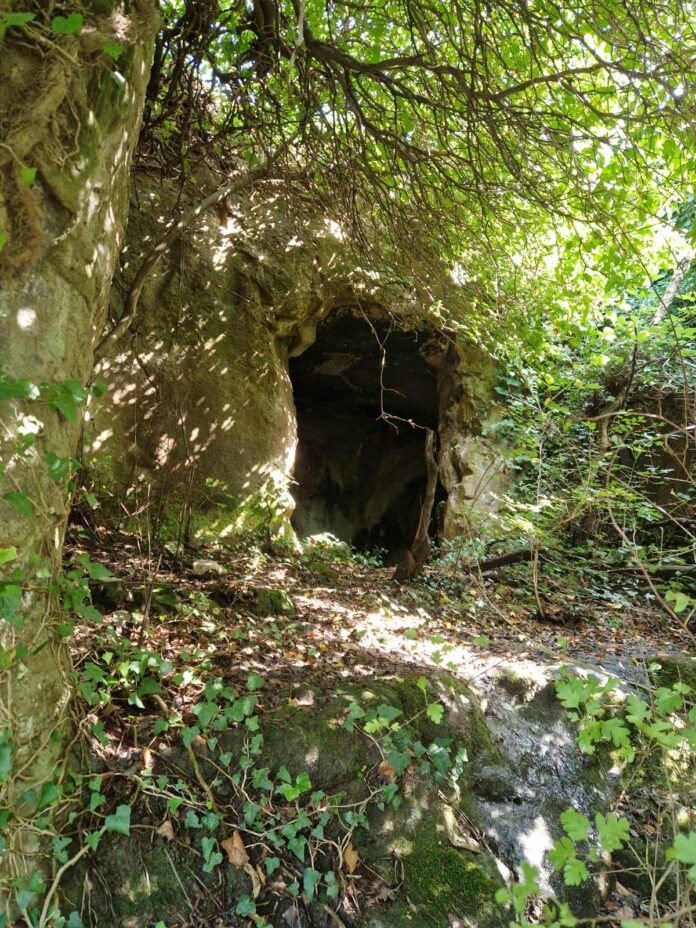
166,830
388,771
148,759
236,852
255,881
261,875
466,842
351,857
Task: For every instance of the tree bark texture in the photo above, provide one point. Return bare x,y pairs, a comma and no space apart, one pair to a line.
69,122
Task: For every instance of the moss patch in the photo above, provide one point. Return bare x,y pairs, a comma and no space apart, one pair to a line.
668,669
448,879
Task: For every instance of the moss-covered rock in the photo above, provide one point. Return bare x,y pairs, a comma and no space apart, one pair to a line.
273,602
144,879
668,669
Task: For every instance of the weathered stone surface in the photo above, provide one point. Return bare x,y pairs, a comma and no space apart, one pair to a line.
199,421
440,856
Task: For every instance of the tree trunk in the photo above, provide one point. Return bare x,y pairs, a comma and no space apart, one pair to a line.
70,114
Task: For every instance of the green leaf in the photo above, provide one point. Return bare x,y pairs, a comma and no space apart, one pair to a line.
19,501
206,712
7,555
15,19
482,641
64,397
59,845
11,603
561,853
355,712
684,850
119,822
12,387
271,864
613,831
254,682
435,711
575,872
92,840
113,50
67,25
50,794
3,236
576,826
57,467
28,175
246,906
310,880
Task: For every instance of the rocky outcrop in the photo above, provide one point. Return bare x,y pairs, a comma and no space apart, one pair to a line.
199,424
436,858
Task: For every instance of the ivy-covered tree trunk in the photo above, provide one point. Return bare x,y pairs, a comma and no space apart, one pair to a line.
72,88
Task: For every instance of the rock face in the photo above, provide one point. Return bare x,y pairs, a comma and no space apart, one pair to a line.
261,330
435,860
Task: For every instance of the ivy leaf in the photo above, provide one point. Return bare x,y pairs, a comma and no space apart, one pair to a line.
11,387
119,822
28,175
254,682
15,19
68,25
206,712
331,885
310,880
7,555
64,396
11,603
19,501
246,906
355,712
113,50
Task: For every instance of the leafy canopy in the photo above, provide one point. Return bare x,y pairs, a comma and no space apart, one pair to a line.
460,128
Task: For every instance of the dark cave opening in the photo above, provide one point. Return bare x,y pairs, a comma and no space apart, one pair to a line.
362,416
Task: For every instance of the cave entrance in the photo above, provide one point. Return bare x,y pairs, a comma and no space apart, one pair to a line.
360,468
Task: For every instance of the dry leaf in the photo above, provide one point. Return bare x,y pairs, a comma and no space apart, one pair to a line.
261,875
166,830
466,842
388,771
255,881
351,857
148,759
236,852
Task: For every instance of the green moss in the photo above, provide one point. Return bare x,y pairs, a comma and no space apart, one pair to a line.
442,879
668,669
273,602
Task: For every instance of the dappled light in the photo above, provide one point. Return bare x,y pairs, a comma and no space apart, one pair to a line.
347,464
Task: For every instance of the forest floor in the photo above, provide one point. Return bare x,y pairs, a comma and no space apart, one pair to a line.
298,628
308,622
